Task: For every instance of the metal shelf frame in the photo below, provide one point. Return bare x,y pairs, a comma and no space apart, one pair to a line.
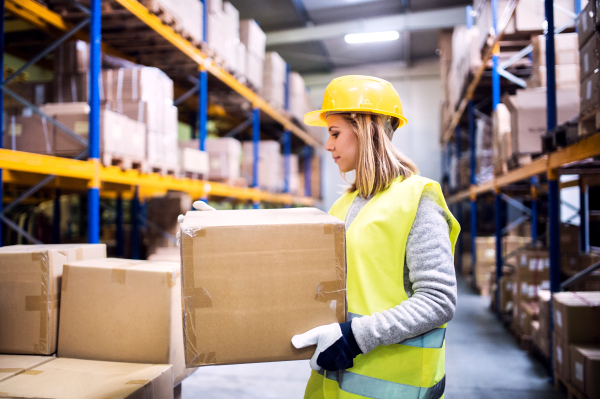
75,174
548,164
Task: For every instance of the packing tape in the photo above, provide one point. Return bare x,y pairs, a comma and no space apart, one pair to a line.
193,231
32,372
37,302
13,370
172,277
137,382
189,301
201,298
119,273
329,291
42,347
4,394
339,238
206,358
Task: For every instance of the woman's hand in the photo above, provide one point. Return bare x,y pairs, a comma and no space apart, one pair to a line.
199,206
336,346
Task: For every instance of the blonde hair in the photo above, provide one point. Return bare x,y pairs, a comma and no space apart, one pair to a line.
379,162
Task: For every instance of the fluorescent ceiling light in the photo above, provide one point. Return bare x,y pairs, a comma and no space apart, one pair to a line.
372,37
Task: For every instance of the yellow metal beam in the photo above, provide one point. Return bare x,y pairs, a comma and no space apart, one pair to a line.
137,9
23,162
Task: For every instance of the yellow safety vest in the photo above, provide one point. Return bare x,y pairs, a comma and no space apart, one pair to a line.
375,254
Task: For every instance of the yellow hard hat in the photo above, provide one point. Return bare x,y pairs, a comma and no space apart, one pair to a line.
357,93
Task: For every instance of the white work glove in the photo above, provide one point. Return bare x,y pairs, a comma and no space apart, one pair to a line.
197,205
335,350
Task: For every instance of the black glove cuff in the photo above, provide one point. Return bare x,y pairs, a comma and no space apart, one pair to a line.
349,335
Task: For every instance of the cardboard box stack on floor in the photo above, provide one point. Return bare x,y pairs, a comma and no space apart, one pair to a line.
255,40
224,157
30,284
75,378
485,268
162,213
122,310
274,77
270,162
576,339
247,272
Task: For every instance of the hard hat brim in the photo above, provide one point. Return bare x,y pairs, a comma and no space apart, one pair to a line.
317,118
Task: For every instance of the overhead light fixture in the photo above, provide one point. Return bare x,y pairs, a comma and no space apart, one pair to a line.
372,37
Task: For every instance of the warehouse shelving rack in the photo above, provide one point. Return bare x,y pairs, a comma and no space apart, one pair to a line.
566,160
37,171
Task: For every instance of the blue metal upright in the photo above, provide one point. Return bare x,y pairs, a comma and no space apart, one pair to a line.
203,109
1,108
287,150
584,216
93,228
495,57
550,65
204,21
534,209
307,171
135,225
56,218
255,153
119,231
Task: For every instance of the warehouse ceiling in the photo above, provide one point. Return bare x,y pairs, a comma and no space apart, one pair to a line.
309,34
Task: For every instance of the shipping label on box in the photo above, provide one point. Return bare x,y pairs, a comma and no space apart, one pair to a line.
585,369
74,378
246,272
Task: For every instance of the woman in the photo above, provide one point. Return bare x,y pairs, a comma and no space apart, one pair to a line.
400,236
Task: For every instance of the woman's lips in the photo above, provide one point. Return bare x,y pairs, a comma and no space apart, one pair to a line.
336,159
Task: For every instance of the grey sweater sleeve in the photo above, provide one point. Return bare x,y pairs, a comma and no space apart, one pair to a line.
432,296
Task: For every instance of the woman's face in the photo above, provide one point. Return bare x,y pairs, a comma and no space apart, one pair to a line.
342,143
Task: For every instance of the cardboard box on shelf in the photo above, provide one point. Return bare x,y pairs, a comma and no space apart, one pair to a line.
585,369
506,291
586,23
137,84
565,49
72,57
589,56
577,316
11,365
75,378
193,160
569,239
30,278
274,77
590,92
270,176
297,89
163,212
73,87
37,93
122,310
528,311
235,288
224,158
254,70
29,133
528,109
566,76
530,15
562,357
253,37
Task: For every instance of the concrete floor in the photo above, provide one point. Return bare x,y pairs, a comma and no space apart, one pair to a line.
482,362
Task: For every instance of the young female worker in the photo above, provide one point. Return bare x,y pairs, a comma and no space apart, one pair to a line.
400,236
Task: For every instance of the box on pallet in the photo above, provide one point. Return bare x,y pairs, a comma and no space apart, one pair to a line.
562,361
37,93
587,22
11,365
247,272
585,369
541,338
254,39
75,378
123,310
297,92
577,316
528,112
192,160
30,279
224,158
589,56
274,76
528,312
270,161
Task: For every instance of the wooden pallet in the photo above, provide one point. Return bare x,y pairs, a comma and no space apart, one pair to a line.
520,159
564,386
564,135
123,161
589,122
194,175
162,169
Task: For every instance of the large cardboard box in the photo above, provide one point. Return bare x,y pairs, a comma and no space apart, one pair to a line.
74,379
29,133
30,279
123,310
585,369
589,56
586,22
590,92
577,316
11,365
252,279
253,37
562,362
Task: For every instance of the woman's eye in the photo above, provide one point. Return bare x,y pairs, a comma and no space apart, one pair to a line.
335,135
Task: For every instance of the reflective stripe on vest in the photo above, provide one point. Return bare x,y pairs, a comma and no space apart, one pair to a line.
433,339
370,387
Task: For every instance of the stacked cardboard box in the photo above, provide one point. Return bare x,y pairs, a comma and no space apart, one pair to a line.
121,310
248,272
588,24
11,365
71,73
273,89
566,59
576,339
297,96
270,162
224,31
30,285
501,138
74,378
187,16
540,330
255,40
37,93
162,212
294,165
224,158
192,160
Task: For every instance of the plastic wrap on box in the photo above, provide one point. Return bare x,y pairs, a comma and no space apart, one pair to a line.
245,272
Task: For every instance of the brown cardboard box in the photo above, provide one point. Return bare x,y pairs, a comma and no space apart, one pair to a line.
254,278
29,133
123,310
585,369
506,294
562,362
163,212
30,279
589,56
72,57
577,316
11,365
528,312
577,262
586,23
74,378
569,239
166,254
590,91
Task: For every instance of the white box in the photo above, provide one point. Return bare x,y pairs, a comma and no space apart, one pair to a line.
253,37
193,160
